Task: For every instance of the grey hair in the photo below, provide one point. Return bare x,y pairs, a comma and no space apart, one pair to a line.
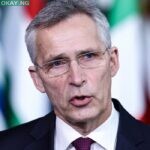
58,10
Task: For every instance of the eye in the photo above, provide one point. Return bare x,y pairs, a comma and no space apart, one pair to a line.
57,63
89,56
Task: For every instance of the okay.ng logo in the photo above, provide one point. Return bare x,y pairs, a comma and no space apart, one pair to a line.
14,2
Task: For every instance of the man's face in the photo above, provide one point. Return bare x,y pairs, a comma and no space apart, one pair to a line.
79,95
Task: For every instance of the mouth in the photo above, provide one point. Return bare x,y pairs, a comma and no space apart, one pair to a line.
80,101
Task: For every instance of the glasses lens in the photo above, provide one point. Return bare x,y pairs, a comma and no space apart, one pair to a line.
56,67
91,59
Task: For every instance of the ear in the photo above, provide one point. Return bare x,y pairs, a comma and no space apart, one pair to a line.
36,79
114,61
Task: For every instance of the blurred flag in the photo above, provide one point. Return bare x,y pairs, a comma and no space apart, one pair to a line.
127,34
21,101
2,121
145,13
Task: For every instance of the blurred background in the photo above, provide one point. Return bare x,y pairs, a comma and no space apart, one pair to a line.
130,29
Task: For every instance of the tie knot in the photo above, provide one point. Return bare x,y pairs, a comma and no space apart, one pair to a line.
82,143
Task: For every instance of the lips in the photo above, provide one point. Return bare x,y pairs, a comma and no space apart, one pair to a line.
80,101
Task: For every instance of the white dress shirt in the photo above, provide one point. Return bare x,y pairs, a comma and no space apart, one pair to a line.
104,136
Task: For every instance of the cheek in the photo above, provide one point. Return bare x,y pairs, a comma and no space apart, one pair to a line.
55,89
99,81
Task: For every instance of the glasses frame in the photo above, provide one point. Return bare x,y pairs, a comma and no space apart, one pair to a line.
42,67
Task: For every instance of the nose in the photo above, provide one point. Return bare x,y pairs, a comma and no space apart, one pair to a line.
76,75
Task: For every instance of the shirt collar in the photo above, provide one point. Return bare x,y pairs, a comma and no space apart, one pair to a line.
105,135
64,135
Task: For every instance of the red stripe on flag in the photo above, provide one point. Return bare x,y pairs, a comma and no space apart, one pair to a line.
34,7
146,116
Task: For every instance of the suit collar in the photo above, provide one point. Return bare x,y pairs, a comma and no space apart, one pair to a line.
130,135
43,134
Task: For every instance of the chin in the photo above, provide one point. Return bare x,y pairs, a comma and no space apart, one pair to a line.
83,117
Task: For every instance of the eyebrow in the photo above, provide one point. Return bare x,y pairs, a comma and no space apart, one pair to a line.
57,57
64,55
88,50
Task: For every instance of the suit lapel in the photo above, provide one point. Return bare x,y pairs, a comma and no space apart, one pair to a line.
130,136
124,144
43,134
41,144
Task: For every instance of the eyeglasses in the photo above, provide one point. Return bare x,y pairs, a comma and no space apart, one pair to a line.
60,66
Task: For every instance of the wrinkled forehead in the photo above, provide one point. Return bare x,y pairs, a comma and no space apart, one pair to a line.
77,33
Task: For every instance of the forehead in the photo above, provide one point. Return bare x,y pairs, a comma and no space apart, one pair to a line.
79,32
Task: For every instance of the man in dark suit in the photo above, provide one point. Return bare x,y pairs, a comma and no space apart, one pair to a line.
70,46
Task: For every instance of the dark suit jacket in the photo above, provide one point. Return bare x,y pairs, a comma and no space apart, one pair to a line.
39,134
